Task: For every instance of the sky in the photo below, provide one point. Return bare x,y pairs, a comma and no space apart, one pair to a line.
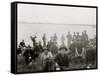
39,19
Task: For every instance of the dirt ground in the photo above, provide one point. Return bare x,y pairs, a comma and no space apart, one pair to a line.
37,65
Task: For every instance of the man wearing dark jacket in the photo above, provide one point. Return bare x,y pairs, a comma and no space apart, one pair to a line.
22,44
62,58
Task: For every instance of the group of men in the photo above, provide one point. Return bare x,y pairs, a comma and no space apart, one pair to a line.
52,56
78,38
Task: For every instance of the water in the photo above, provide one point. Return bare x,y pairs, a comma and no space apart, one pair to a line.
25,30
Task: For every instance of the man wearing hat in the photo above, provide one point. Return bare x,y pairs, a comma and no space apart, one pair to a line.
62,58
46,56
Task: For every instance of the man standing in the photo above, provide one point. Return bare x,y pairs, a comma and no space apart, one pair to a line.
69,39
85,35
55,38
78,37
74,38
40,47
44,40
33,40
62,40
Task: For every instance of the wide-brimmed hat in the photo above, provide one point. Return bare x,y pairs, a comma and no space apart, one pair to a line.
63,47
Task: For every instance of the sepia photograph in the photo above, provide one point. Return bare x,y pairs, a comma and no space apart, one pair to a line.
54,38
